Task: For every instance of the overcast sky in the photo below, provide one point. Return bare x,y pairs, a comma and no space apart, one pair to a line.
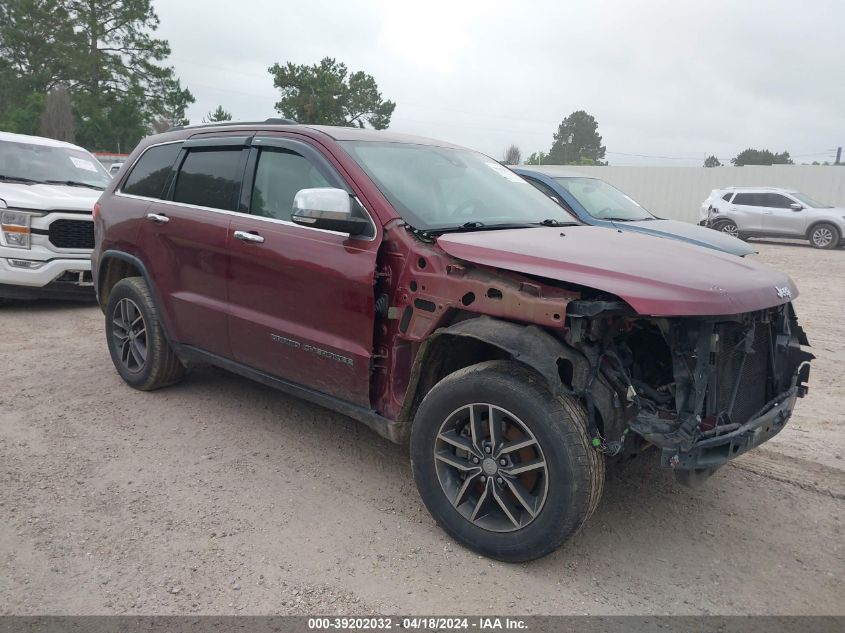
673,81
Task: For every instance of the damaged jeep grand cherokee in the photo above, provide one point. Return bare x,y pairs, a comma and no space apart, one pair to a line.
439,298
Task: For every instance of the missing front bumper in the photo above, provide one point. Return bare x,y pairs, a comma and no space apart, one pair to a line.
712,452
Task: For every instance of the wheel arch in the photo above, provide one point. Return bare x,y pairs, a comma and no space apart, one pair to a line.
819,221
562,368
115,265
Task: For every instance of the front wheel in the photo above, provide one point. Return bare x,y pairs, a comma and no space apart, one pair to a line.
502,465
137,344
824,236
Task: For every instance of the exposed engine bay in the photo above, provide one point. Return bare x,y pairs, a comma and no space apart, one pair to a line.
702,390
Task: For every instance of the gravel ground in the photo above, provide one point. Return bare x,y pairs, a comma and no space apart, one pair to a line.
222,496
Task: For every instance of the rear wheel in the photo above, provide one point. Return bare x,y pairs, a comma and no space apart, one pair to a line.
139,350
502,465
824,236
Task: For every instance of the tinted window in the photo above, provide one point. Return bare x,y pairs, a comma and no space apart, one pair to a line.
209,178
751,199
150,172
777,201
727,197
278,176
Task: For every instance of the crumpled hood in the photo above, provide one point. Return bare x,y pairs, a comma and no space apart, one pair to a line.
48,197
699,234
655,276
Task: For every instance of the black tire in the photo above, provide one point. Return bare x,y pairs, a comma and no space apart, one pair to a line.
573,471
824,236
143,359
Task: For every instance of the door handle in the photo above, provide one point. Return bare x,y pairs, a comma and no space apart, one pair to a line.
158,218
252,238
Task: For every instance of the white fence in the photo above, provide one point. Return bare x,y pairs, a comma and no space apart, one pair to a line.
677,192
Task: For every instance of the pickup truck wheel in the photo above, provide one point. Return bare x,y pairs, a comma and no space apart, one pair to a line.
502,465
139,350
824,236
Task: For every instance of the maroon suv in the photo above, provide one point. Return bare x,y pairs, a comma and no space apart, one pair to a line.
434,295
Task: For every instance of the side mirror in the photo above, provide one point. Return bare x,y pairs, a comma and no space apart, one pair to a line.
327,208
796,207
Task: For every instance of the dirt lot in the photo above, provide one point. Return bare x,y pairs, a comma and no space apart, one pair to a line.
222,496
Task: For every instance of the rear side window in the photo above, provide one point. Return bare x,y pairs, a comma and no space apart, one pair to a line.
209,178
751,199
150,173
727,196
279,175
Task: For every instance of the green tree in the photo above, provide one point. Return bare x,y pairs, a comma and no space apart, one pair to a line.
218,115
712,161
103,51
57,119
119,59
326,93
577,138
110,122
36,42
537,158
512,156
35,47
760,157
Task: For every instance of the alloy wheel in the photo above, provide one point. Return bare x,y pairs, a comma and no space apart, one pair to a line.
822,237
730,228
491,467
130,333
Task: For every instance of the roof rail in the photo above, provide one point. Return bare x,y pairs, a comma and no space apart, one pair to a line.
270,121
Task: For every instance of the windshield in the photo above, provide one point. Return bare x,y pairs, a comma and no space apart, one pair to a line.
808,201
603,201
42,163
441,188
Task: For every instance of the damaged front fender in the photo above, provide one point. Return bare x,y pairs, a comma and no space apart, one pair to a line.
565,370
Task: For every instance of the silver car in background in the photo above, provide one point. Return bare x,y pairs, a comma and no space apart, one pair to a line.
773,212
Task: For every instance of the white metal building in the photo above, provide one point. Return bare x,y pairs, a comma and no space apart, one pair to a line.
677,192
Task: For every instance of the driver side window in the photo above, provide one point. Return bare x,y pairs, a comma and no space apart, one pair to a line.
279,175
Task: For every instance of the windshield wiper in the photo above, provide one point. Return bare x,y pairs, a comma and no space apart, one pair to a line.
479,226
553,222
29,181
74,183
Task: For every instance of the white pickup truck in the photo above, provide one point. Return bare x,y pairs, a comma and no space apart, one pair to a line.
48,190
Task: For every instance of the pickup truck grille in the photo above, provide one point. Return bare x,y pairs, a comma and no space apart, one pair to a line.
72,234
752,374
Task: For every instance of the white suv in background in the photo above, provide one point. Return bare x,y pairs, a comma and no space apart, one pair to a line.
47,194
771,212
